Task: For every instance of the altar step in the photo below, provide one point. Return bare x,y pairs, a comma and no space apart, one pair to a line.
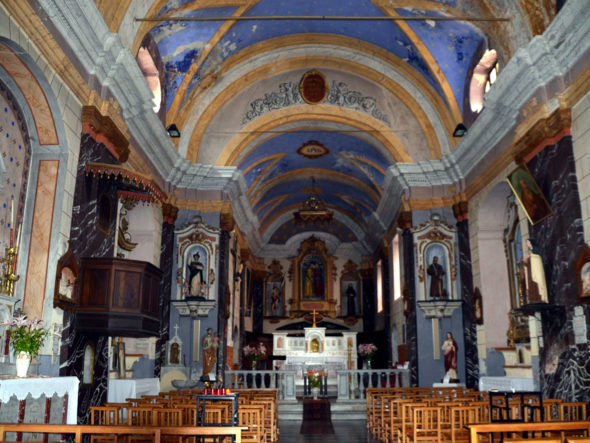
340,410
517,360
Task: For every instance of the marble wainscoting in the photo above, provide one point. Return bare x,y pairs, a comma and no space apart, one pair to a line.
166,263
569,381
469,326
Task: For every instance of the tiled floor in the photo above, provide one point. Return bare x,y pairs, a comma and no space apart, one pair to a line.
343,432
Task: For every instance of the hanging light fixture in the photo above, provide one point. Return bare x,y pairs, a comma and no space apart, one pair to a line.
313,209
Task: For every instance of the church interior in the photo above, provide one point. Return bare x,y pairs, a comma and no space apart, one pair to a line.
197,192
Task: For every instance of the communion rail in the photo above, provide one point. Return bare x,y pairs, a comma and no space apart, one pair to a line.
351,384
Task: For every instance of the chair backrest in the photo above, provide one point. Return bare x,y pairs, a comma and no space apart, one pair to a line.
104,415
167,417
461,416
426,424
572,411
140,416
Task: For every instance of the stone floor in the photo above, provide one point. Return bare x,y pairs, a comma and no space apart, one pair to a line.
324,431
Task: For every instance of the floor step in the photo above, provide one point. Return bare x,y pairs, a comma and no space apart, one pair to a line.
340,410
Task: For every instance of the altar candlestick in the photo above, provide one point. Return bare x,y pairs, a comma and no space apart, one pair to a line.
12,213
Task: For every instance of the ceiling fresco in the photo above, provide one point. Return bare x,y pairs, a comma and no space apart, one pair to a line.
394,91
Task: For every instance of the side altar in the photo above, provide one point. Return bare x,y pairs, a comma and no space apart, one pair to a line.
316,351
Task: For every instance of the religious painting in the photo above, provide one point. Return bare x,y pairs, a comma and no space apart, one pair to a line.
529,195
274,290
313,273
583,273
313,278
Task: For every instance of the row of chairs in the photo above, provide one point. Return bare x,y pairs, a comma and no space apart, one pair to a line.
442,414
258,411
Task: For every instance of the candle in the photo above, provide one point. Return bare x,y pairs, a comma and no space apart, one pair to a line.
12,213
20,229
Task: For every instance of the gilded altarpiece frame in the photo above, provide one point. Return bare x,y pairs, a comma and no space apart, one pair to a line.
314,273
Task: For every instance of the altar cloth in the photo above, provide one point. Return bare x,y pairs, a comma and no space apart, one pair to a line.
38,386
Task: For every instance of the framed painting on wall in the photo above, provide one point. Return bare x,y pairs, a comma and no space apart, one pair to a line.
529,195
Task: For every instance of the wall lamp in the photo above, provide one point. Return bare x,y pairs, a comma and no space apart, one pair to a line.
460,130
173,131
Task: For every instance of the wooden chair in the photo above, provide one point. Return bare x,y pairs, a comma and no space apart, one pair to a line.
532,440
252,417
426,426
104,415
404,430
461,416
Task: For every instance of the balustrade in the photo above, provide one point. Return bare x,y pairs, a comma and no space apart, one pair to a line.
284,381
352,384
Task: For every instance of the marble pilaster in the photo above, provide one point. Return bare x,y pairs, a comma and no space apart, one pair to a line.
223,297
466,288
411,325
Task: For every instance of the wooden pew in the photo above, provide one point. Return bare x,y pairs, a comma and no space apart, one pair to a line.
554,426
156,432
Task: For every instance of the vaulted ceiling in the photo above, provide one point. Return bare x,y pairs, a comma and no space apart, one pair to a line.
396,77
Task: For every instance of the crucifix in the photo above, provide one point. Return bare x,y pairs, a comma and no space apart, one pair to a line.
176,330
314,314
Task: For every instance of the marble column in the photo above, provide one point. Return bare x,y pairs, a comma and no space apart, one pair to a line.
166,259
411,325
86,240
385,277
466,288
224,301
369,298
560,239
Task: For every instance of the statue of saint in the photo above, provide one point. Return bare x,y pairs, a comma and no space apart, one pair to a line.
210,343
450,348
436,273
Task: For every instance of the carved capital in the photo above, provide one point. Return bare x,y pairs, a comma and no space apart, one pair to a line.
461,210
169,212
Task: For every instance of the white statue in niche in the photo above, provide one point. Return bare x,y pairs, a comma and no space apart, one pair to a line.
88,372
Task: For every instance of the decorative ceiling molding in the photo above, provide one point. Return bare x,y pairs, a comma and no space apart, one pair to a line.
105,131
340,95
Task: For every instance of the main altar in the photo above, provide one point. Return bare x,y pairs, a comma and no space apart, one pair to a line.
316,350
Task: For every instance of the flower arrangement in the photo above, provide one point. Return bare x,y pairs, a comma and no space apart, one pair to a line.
255,353
367,350
315,378
26,335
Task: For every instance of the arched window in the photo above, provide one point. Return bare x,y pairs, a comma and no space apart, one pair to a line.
484,76
151,74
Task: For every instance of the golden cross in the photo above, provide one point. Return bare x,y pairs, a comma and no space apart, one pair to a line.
314,313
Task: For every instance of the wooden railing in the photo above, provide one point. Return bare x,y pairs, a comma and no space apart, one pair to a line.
78,431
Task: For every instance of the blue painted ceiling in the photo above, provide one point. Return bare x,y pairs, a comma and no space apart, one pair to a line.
349,178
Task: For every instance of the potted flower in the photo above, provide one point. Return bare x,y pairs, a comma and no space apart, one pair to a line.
367,350
26,338
254,354
314,378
